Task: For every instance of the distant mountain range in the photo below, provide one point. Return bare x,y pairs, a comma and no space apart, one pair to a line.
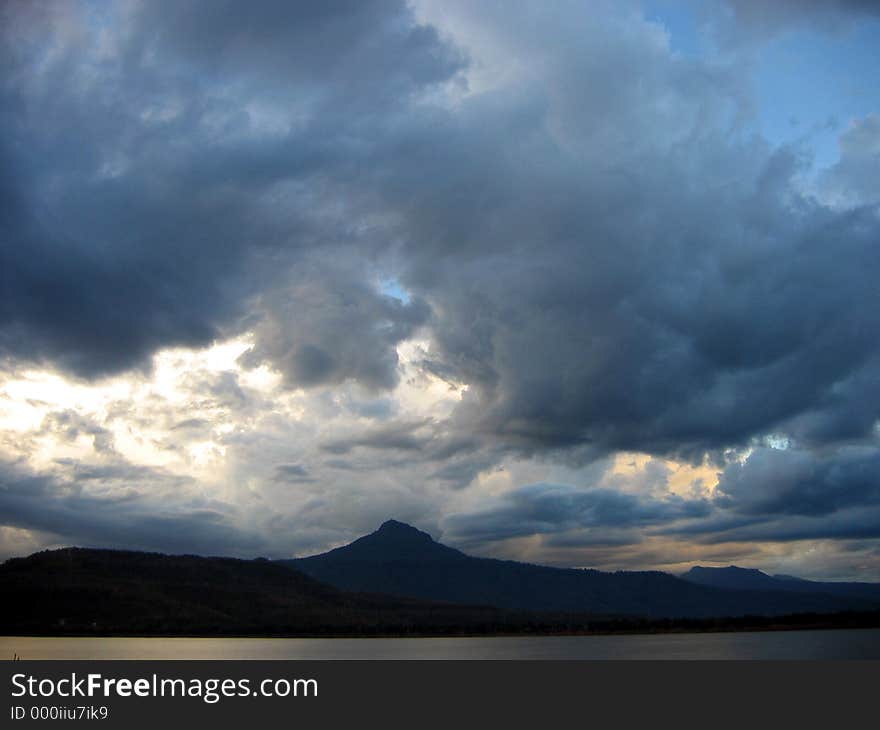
400,560
750,579
397,581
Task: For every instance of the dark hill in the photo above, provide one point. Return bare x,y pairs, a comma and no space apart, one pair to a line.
733,577
400,560
393,541
80,591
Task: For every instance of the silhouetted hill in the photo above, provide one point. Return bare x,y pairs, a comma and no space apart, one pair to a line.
733,577
400,560
394,540
76,591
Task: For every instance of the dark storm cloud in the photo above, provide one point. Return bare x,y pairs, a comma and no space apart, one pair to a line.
797,482
659,317
620,283
369,51
598,246
792,494
861,523
546,509
633,277
135,221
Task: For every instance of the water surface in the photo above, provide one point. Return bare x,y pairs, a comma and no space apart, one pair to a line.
832,644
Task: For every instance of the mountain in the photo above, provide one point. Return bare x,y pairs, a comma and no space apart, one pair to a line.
398,559
733,577
78,591
81,591
393,541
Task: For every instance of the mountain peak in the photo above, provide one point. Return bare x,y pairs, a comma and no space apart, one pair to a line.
393,528
731,577
729,570
394,541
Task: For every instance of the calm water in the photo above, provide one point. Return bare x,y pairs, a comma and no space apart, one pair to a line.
838,644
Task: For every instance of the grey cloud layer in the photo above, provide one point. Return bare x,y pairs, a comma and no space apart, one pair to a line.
157,206
634,276
547,509
598,245
774,481
775,495
101,508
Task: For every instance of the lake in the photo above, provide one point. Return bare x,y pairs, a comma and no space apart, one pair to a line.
833,644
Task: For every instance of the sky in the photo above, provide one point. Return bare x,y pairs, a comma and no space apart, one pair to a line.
587,284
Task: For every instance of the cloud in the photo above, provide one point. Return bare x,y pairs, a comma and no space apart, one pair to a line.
799,482
851,180
763,19
547,509
69,425
76,514
396,437
332,327
293,473
169,200
644,316
595,252
588,303
803,532
350,53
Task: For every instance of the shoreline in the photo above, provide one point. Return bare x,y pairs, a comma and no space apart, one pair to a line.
470,635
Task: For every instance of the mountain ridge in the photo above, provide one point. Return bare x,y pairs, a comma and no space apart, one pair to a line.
737,578
81,591
398,559
92,591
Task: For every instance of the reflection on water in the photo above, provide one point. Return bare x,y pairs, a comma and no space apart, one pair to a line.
838,644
